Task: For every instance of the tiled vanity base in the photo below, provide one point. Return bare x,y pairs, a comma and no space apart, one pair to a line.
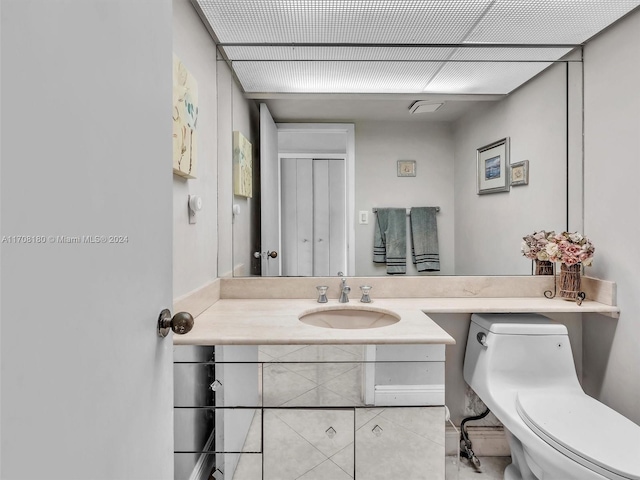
307,419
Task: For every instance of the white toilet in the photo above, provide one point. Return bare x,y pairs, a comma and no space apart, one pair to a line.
522,368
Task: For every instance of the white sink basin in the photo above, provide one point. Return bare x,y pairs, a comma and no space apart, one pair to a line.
349,317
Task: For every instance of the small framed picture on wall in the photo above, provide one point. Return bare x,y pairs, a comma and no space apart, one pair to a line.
406,168
493,167
520,173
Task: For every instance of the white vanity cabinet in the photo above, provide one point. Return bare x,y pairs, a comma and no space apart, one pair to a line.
315,411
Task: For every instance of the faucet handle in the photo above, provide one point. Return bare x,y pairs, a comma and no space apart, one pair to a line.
365,293
322,293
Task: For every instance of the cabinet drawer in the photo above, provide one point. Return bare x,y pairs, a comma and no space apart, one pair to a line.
217,430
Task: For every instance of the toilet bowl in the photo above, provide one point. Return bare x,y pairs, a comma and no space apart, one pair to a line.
521,366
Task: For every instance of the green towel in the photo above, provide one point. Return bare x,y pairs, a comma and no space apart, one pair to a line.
424,239
390,239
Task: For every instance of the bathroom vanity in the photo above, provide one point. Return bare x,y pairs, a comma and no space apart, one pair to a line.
290,398
362,396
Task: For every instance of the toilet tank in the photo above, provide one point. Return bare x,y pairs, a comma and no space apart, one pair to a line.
515,351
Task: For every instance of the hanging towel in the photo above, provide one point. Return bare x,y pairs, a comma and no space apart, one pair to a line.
390,239
424,239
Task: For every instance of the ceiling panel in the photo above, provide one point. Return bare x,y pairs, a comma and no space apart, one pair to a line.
547,21
483,78
491,54
340,53
387,46
340,21
335,77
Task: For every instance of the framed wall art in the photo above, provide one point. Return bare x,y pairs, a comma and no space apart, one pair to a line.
493,167
406,168
520,173
242,166
185,120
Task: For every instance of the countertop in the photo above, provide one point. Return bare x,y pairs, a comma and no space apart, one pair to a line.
276,321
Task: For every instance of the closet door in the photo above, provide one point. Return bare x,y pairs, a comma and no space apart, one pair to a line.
313,217
297,216
329,256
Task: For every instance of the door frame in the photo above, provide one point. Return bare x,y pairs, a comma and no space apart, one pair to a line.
350,174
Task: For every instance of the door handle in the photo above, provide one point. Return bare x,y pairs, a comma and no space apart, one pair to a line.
181,323
272,254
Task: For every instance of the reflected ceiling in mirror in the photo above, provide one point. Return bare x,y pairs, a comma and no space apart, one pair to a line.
400,46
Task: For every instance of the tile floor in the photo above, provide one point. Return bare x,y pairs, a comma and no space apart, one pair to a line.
310,444
492,468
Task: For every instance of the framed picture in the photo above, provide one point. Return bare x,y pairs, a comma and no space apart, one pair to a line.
406,168
185,120
520,173
242,166
493,167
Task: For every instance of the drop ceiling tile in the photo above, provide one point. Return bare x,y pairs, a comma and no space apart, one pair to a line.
547,22
380,53
483,78
342,21
334,77
509,54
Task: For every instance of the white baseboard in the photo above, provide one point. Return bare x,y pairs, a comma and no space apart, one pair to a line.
486,441
410,395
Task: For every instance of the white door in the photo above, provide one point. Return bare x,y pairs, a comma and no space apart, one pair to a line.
269,194
313,217
86,195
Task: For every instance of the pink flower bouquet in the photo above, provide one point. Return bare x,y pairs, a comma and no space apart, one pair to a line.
570,249
534,246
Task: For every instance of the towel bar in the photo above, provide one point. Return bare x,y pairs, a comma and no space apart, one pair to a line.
375,210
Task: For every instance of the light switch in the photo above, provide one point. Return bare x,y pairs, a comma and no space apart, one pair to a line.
363,218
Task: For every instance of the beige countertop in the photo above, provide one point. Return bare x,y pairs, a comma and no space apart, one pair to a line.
276,321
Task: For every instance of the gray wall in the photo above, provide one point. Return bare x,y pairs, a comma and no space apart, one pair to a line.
533,117
239,234
612,201
195,246
379,145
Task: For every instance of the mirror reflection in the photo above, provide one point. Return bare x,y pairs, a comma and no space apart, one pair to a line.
322,165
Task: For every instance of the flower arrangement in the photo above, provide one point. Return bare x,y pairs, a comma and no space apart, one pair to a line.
569,249
534,246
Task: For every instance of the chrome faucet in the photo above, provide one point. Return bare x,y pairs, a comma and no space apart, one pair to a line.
344,291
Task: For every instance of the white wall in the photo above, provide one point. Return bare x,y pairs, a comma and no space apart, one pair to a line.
379,145
612,201
533,117
195,246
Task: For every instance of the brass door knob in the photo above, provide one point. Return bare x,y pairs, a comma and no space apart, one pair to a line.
181,323
272,254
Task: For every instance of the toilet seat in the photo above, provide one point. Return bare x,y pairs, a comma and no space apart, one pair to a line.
585,430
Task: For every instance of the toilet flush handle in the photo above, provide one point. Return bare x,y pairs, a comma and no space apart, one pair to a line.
482,339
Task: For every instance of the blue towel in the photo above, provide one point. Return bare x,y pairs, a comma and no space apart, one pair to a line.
390,239
424,239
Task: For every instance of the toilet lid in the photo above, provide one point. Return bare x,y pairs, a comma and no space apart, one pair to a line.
585,430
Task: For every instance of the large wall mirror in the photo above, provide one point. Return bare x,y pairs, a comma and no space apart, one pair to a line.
351,148
430,93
